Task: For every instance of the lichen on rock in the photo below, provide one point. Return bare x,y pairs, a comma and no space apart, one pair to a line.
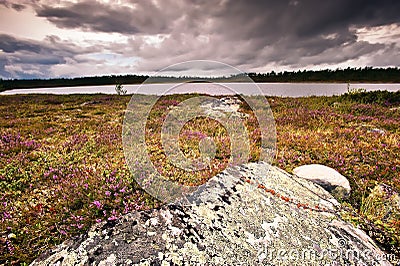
230,220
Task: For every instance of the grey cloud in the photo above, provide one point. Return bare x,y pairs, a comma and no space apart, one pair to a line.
336,55
245,34
390,56
239,32
40,59
23,58
3,72
10,44
309,33
144,17
52,45
16,6
234,18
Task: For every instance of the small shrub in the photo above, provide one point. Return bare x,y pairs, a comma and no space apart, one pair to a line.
120,89
384,97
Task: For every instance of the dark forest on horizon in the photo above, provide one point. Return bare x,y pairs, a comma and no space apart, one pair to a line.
348,75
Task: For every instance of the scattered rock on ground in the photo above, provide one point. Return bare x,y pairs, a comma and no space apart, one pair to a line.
378,130
327,177
222,107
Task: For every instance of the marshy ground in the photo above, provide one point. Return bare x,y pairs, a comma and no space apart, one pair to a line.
62,166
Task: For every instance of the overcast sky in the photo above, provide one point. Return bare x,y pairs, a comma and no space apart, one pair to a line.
44,39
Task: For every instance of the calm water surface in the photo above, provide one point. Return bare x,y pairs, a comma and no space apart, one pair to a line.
268,89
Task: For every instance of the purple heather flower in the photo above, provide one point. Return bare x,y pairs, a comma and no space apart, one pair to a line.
10,247
113,216
6,215
97,204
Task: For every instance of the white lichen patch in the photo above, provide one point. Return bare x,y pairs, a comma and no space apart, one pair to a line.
110,260
153,221
269,233
175,231
166,214
193,254
205,213
145,263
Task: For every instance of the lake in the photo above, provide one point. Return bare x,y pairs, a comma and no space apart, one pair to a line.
268,89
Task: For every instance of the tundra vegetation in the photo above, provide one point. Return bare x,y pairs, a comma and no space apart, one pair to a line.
62,167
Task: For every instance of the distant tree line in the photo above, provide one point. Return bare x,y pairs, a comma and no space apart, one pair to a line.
70,82
367,74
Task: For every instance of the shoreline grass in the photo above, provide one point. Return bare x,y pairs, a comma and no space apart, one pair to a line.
62,167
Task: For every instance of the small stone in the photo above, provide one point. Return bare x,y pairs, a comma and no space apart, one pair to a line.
328,178
378,130
11,236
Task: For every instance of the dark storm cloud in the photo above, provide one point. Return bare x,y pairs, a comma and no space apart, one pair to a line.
239,32
237,18
16,6
94,16
311,26
10,44
305,19
23,58
246,34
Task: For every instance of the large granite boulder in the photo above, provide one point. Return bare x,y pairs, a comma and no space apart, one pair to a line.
327,177
253,214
